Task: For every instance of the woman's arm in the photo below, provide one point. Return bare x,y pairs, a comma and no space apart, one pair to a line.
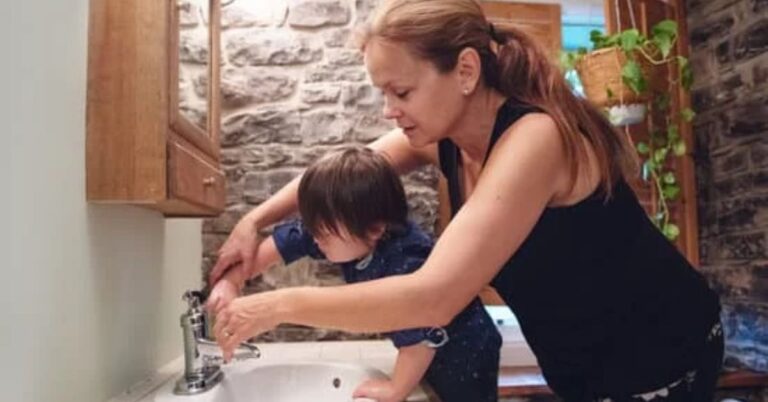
525,170
240,246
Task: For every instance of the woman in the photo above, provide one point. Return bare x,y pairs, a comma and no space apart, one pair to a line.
542,211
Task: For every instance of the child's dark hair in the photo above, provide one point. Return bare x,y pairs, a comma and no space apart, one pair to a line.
354,187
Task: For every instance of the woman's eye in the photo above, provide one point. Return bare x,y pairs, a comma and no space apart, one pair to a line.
402,94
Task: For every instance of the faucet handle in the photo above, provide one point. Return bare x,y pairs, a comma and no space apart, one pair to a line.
194,298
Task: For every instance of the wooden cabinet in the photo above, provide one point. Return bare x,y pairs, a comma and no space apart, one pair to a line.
145,144
540,21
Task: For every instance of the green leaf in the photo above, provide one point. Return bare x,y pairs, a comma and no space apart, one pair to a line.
597,38
642,148
671,231
629,39
566,60
633,77
671,192
660,156
687,114
673,133
679,148
569,60
685,71
663,36
665,28
669,178
662,101
600,41
664,44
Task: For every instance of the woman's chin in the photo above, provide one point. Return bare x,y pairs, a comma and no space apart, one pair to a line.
415,139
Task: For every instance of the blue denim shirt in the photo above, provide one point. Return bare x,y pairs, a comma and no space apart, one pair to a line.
397,253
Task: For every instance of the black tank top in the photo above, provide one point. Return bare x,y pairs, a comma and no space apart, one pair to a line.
607,304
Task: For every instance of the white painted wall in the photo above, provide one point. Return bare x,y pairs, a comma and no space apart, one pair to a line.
90,294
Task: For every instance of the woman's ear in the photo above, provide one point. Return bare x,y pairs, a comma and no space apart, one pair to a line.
468,70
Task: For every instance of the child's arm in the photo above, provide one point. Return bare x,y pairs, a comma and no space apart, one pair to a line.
288,243
265,257
230,285
412,362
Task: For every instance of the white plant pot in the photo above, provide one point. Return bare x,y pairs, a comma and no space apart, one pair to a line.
626,115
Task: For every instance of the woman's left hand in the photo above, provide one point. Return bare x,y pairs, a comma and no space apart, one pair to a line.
242,319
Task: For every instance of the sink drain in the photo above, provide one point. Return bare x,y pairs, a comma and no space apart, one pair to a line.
336,383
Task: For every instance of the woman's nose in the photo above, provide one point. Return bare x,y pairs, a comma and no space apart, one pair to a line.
390,112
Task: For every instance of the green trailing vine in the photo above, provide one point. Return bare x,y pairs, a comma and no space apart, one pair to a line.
662,145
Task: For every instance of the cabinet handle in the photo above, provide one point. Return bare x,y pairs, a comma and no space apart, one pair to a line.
209,181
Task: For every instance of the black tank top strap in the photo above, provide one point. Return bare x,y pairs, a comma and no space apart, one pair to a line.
508,114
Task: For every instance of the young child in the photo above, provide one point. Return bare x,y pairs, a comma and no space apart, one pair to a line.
353,211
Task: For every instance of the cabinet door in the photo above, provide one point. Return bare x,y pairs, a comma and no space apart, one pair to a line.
141,148
193,180
194,80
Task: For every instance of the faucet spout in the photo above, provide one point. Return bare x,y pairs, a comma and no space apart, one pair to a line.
202,356
212,352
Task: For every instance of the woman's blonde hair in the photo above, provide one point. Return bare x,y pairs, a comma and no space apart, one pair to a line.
438,30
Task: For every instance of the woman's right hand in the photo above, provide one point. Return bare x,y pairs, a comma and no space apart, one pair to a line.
239,248
246,317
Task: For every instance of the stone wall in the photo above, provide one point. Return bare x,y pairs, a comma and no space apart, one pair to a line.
729,40
293,88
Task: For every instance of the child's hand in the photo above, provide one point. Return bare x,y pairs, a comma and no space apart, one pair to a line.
223,292
379,391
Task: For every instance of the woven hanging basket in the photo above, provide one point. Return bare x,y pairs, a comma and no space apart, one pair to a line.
600,74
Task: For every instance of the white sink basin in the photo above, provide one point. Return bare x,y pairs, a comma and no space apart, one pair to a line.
300,381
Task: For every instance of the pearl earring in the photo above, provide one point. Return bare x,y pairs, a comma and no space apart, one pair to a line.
466,91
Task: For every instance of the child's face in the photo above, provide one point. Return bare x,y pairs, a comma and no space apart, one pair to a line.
343,247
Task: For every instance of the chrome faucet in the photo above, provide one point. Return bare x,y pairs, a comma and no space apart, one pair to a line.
202,356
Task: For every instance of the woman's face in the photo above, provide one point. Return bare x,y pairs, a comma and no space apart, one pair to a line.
423,102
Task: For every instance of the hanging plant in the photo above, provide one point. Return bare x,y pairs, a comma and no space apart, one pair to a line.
619,74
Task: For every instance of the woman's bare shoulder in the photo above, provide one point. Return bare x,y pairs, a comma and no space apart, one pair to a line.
534,136
538,133
536,139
